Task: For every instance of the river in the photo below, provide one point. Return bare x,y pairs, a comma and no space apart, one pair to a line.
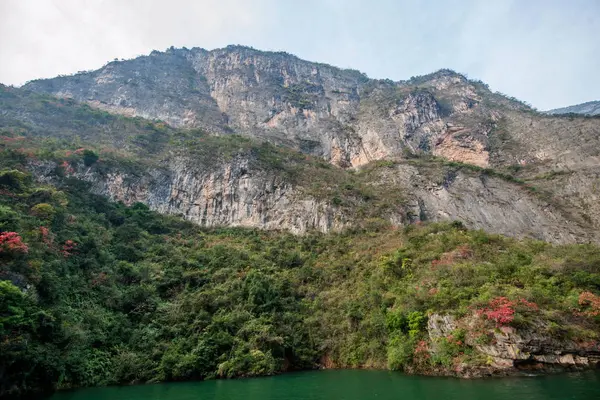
356,385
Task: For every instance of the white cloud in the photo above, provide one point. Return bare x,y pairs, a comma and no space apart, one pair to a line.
546,52
40,38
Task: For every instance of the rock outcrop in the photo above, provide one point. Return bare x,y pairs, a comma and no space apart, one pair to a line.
240,192
230,194
509,349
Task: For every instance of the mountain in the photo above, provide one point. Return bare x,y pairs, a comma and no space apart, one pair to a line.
198,214
589,108
231,180
351,121
339,115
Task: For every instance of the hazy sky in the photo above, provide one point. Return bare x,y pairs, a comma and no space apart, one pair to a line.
545,52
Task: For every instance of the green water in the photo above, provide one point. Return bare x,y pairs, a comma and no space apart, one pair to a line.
355,385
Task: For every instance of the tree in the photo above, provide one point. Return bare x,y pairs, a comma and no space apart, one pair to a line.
89,157
43,211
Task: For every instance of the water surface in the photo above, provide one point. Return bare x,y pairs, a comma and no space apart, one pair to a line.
356,385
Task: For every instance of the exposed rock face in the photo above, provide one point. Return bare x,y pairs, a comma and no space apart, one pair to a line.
241,193
232,194
509,348
589,108
340,115
440,326
350,121
457,144
482,202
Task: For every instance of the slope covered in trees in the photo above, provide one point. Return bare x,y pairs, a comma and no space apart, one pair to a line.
95,293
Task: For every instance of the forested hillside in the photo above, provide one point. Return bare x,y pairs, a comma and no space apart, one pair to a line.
97,293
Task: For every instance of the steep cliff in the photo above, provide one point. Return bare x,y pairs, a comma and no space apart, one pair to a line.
242,192
340,115
233,193
348,119
230,180
538,345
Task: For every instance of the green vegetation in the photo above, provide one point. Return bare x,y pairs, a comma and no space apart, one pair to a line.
62,124
89,157
301,95
96,293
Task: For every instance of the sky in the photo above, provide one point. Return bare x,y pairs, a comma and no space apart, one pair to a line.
545,52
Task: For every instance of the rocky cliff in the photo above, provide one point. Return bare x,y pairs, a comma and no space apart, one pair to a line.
507,349
244,192
531,173
228,194
340,115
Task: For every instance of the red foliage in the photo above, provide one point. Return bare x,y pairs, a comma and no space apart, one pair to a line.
461,252
67,168
501,310
530,304
591,302
436,263
464,251
46,236
11,242
12,139
450,339
68,247
422,349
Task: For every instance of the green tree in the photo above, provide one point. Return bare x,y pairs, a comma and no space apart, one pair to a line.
89,157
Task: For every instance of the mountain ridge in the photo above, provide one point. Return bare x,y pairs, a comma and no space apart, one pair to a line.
351,121
308,101
229,180
588,108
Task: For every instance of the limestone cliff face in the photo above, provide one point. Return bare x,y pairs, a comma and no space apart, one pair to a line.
241,193
230,194
482,202
340,115
350,121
